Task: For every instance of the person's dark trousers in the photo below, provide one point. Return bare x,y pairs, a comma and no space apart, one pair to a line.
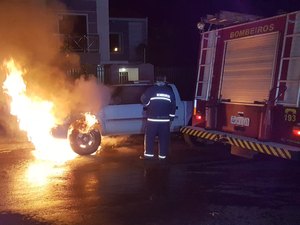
162,130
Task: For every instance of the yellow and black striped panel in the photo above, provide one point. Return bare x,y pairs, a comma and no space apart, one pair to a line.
199,133
250,145
261,148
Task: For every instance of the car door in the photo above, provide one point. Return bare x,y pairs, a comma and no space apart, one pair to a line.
124,114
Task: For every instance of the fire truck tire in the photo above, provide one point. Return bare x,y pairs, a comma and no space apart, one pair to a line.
195,142
84,143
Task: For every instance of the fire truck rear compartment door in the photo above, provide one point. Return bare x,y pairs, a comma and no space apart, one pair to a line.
239,119
248,68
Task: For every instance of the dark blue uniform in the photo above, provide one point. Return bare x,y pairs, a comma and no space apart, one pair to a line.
160,105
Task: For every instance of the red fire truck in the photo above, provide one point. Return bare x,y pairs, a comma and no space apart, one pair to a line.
248,87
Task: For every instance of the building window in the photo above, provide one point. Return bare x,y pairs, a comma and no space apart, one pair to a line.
73,25
115,43
73,29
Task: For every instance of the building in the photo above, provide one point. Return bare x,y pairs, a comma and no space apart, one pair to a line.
128,51
114,49
128,39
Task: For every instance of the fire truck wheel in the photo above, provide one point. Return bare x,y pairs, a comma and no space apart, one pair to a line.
84,143
195,142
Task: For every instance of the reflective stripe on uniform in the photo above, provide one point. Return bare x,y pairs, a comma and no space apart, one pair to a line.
162,156
160,98
148,155
158,120
163,95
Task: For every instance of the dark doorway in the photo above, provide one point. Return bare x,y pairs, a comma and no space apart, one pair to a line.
73,25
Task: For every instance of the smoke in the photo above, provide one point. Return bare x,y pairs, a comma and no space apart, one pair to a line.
88,96
28,34
114,141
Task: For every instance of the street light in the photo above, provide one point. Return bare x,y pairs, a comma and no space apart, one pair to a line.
200,26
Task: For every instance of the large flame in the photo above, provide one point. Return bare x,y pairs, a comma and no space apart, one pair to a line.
35,116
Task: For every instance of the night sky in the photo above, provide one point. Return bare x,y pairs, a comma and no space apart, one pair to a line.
173,36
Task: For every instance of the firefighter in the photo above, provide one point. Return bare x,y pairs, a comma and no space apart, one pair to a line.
160,106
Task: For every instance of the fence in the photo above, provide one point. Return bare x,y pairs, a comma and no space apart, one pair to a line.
80,43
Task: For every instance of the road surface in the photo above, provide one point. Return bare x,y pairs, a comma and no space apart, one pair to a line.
113,187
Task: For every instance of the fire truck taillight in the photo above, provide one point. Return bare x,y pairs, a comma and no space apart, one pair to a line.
198,116
296,131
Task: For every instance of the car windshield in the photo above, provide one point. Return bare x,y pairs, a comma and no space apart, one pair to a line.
130,94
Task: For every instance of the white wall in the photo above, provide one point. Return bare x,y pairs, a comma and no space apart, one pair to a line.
103,30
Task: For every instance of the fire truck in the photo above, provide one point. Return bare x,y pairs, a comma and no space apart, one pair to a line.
247,93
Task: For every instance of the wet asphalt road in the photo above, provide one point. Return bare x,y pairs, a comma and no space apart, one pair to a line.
207,187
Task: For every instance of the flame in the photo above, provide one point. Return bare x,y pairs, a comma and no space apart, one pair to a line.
90,119
40,173
35,116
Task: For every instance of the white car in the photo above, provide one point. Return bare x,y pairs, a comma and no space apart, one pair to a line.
124,115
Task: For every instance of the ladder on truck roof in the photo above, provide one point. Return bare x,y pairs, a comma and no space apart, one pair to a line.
288,87
205,66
